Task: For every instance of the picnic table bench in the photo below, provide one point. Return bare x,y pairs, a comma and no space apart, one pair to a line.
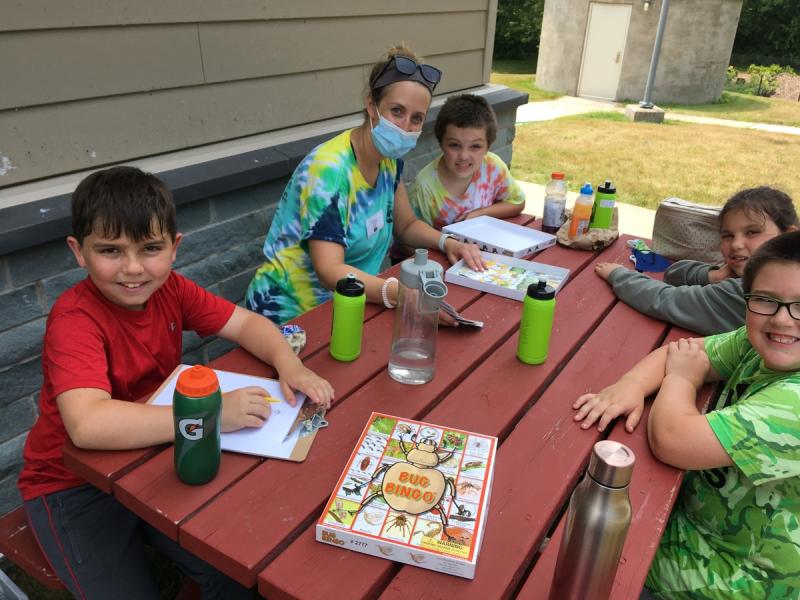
255,521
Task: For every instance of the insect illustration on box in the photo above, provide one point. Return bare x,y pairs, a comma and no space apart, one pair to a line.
365,462
404,429
467,488
400,522
432,530
462,514
414,486
338,512
373,518
474,464
453,440
355,490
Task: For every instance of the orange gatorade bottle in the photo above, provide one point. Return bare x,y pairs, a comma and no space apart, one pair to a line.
582,212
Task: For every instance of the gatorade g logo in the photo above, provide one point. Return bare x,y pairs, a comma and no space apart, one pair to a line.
191,429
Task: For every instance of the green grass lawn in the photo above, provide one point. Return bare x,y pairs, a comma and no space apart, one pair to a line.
519,75
649,162
745,107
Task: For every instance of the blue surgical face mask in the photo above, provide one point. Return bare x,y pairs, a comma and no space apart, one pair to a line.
392,141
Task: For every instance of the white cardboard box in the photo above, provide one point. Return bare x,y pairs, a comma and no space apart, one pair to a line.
415,493
500,237
506,276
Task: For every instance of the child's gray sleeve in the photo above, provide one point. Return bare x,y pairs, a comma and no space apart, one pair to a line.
706,309
688,272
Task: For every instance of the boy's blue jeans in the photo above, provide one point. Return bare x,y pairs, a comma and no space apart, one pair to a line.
96,547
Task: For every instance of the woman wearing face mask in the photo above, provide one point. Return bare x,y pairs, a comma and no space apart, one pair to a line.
346,199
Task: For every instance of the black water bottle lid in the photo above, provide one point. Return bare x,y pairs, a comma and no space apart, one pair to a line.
607,188
350,286
541,291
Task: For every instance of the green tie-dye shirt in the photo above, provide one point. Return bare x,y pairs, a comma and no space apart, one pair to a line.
735,531
326,199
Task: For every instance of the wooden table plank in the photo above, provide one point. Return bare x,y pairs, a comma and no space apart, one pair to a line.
154,492
484,401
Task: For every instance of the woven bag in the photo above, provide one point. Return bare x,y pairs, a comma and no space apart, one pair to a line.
683,229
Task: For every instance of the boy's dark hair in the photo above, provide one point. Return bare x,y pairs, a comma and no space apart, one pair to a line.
122,200
784,248
765,201
466,110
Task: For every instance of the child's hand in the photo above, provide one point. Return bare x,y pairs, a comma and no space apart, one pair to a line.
688,359
245,407
724,272
619,399
298,377
604,269
469,252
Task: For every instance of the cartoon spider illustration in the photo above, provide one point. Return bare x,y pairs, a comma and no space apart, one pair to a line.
414,486
401,522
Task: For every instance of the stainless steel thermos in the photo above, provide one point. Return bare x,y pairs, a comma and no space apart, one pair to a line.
597,523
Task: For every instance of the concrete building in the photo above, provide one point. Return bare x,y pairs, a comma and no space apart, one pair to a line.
221,100
603,49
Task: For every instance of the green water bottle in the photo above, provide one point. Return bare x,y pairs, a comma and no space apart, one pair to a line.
196,408
348,318
604,201
537,323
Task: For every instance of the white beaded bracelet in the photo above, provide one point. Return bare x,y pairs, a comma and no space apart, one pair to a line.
385,293
443,239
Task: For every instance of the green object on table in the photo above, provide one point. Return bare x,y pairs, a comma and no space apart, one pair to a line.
538,310
604,201
196,408
349,300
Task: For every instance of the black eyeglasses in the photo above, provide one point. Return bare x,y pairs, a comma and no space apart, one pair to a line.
764,305
407,66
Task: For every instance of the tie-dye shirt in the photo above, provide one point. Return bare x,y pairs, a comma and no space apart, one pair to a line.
735,531
326,199
491,183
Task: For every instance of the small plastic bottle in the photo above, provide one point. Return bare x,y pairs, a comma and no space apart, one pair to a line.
196,407
555,202
347,328
538,310
597,523
582,212
604,202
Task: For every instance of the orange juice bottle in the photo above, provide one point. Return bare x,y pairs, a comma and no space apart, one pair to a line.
582,212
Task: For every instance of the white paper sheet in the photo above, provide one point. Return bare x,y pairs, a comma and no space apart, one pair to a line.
267,440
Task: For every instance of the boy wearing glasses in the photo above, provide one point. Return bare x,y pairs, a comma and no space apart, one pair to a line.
467,181
734,530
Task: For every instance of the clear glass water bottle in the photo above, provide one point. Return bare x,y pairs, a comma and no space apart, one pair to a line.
597,524
420,294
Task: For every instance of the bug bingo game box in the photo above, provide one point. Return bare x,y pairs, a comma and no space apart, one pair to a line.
415,493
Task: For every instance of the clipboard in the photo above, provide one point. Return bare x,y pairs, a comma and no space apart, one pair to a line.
270,440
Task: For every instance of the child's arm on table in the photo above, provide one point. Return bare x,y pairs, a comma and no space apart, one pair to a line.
95,421
626,396
499,210
259,336
678,434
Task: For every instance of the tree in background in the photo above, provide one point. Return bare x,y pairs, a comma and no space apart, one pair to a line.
519,24
769,32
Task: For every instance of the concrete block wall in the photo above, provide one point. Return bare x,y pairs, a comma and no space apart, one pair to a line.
222,247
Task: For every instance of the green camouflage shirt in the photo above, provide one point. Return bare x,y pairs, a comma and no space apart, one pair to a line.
735,531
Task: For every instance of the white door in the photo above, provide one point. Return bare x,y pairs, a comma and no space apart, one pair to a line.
603,50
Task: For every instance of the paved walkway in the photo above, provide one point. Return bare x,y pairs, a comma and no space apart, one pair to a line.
633,220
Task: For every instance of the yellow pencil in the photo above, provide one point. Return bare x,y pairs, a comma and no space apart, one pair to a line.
272,400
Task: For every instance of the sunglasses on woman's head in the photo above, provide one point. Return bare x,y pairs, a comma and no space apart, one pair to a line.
407,66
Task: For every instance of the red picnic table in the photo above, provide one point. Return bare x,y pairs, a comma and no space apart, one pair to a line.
255,521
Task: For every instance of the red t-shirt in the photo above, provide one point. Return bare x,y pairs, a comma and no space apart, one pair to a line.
91,342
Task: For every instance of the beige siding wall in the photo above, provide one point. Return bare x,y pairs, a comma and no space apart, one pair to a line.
96,82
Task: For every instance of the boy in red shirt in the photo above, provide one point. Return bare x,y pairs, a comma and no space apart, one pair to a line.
114,338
